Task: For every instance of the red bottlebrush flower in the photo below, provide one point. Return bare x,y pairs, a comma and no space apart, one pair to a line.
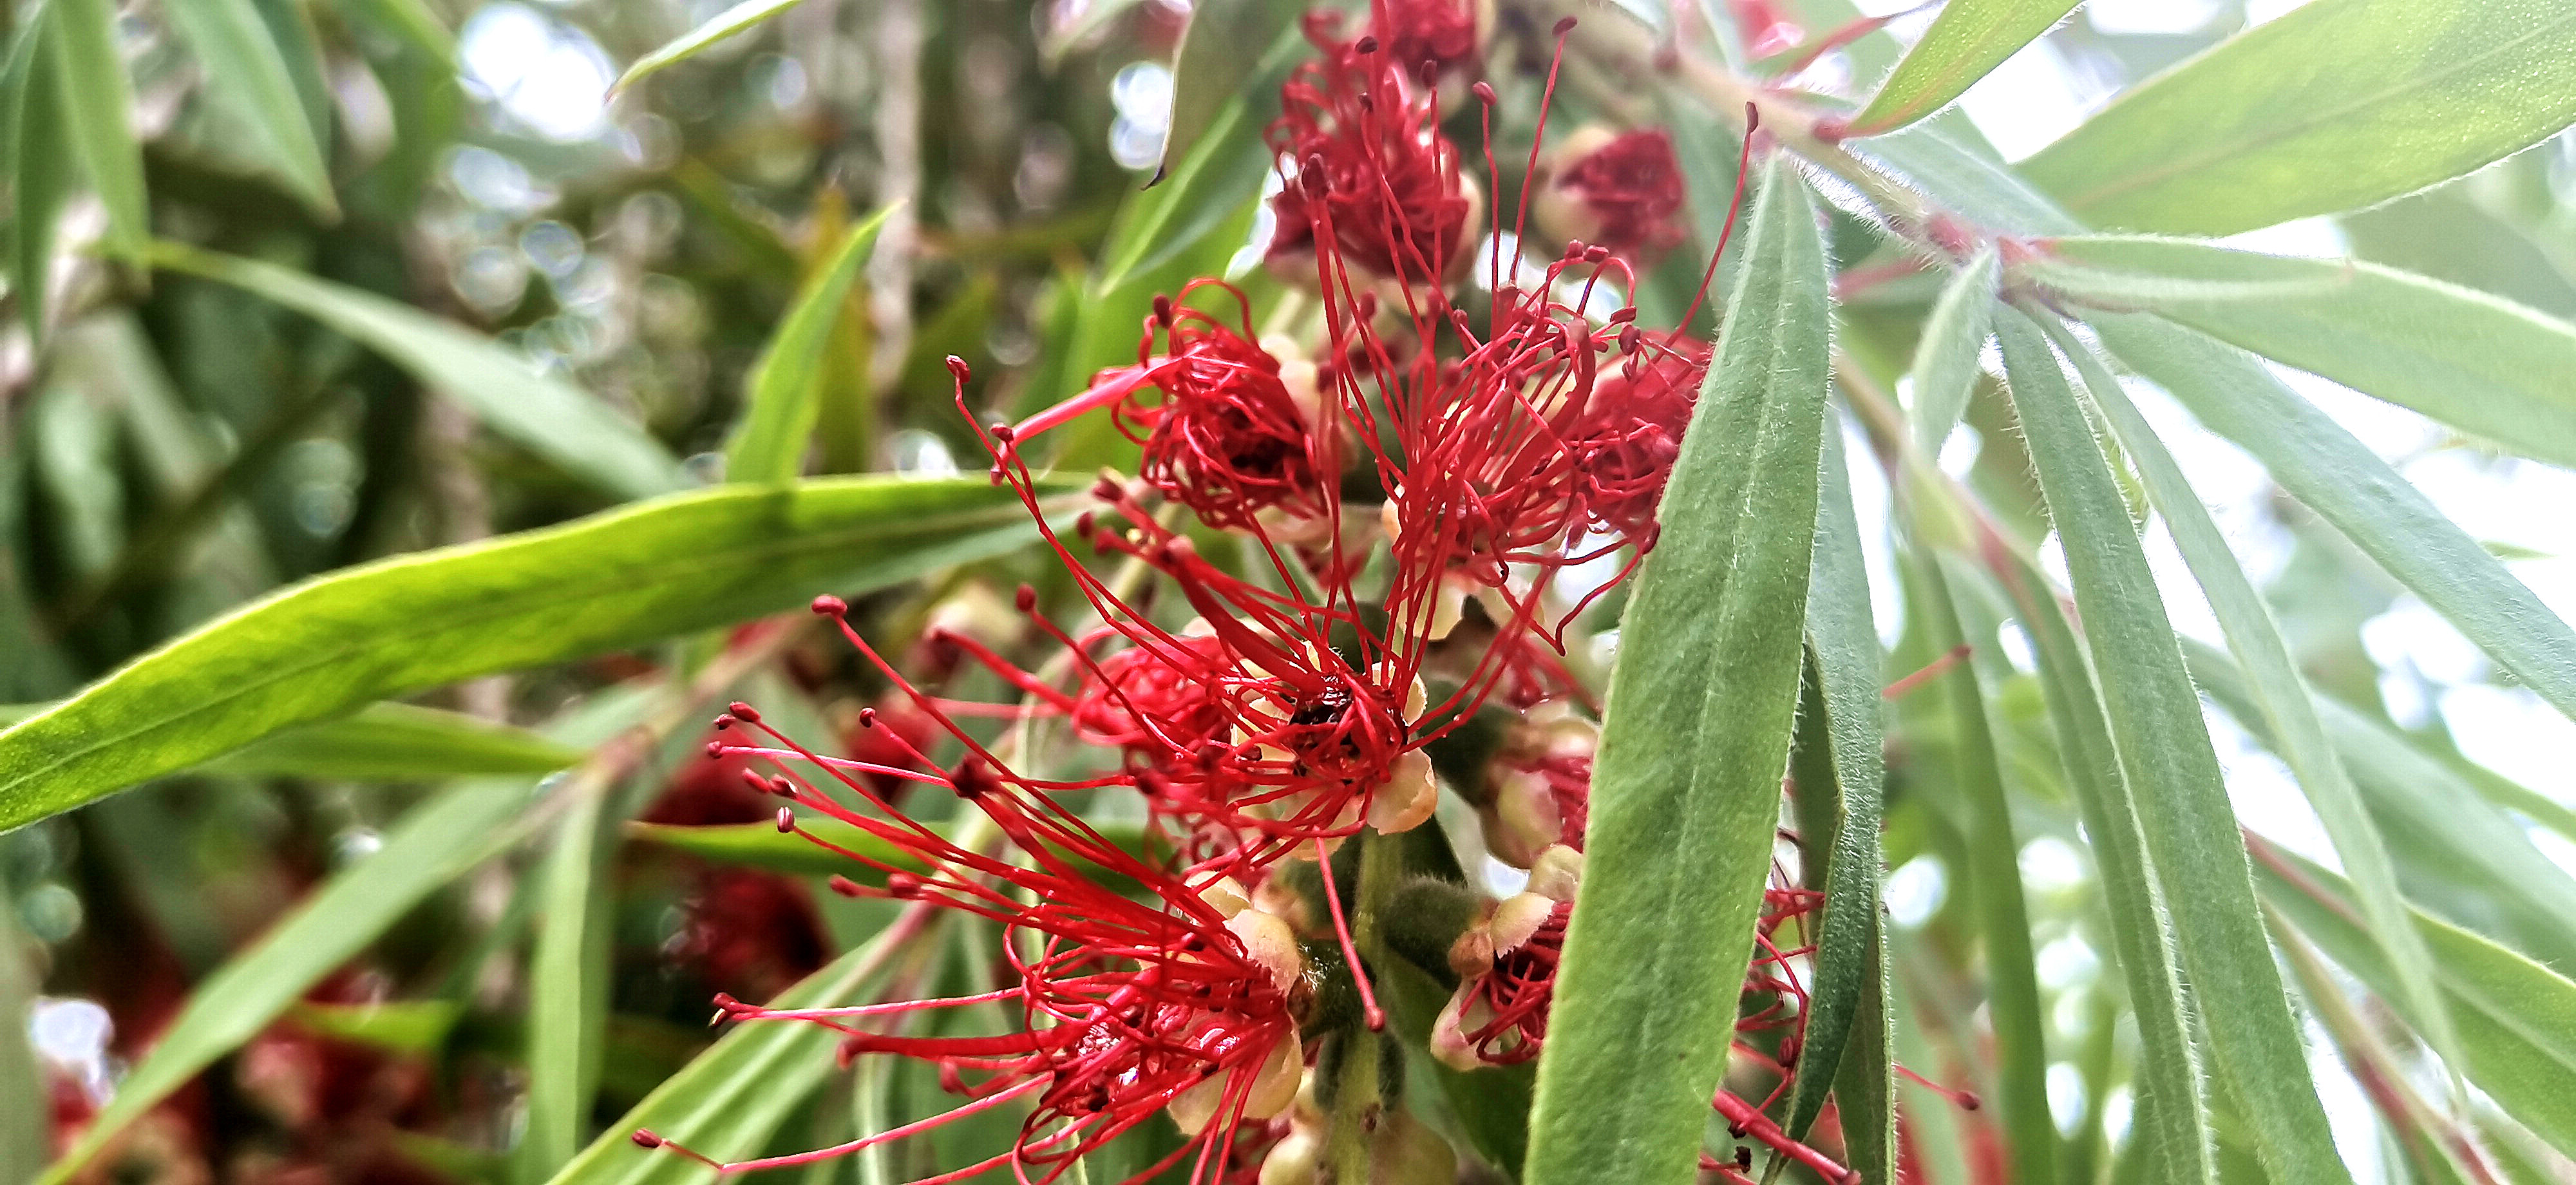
1507,971
1625,447
1620,190
1376,192
1442,35
1540,784
748,932
1188,1000
1237,436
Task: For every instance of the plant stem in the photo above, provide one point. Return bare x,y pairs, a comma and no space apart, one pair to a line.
1359,1094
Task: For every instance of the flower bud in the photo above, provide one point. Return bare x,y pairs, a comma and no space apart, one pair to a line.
1408,797
1293,1160
1270,944
1517,918
1620,191
1557,874
1404,1151
1274,1086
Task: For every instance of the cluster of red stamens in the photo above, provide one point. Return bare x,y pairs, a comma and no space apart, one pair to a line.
1298,702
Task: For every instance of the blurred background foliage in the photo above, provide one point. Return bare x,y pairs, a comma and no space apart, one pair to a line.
189,427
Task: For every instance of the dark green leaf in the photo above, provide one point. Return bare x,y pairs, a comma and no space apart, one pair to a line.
2278,689
2321,465
2191,832
679,564
435,843
548,415
25,1098
95,101
2337,105
786,385
1850,973
2462,357
31,122
246,69
1968,39
694,42
1686,791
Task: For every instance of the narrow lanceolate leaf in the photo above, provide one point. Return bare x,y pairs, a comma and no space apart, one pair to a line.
1849,970
786,385
2175,1131
2480,364
547,415
1198,188
2517,1019
245,69
2321,465
435,843
25,1096
1217,65
2192,838
31,131
95,102
2336,106
1969,38
1945,358
2002,910
730,1098
397,743
318,649
568,982
2278,689
694,42
1686,792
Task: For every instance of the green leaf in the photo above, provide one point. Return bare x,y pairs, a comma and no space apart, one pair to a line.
1199,189
25,1099
2470,360
2322,466
31,122
2173,1133
2163,744
568,983
2517,1019
2337,105
1969,39
786,385
1223,60
2002,910
2447,235
435,843
1686,789
415,1027
730,1098
2278,690
393,742
764,846
246,69
95,104
1849,970
662,568
694,42
1945,357
552,417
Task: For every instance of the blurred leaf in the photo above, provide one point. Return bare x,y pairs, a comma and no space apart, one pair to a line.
764,846
1223,62
2002,908
2447,236
1089,19
2465,358
694,42
247,70
1969,39
568,983
1686,790
2278,690
1850,789
1945,358
1224,166
414,1027
2173,1133
730,1098
2181,799
391,742
786,385
435,843
31,130
2336,105
2323,466
95,104
672,566
2517,1019
548,415
26,1101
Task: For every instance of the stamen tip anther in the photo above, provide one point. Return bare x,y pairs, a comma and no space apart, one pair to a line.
828,605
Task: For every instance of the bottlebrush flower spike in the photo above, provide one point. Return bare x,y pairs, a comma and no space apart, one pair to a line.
1237,435
1432,36
1507,971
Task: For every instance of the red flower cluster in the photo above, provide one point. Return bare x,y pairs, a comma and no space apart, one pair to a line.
1402,465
